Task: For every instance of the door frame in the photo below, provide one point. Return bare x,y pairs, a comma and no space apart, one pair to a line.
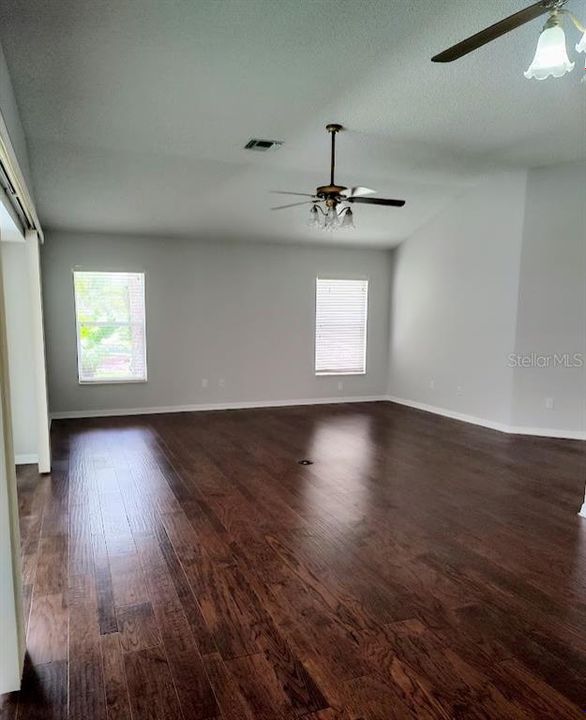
12,624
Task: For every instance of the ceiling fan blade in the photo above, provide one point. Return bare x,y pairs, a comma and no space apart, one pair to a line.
376,201
285,192
493,32
358,191
282,207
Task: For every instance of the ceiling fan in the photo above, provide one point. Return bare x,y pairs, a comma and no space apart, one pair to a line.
326,200
551,57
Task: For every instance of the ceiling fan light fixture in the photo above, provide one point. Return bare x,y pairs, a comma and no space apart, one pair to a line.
347,220
331,219
314,218
551,57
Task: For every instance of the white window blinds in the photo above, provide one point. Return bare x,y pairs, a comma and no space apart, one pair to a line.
341,309
110,322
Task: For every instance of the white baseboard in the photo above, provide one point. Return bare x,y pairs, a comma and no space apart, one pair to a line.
26,459
549,432
449,413
201,407
501,427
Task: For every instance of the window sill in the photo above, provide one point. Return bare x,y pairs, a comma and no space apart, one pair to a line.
123,381
338,374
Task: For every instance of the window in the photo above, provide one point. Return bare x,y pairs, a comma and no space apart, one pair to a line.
110,321
340,327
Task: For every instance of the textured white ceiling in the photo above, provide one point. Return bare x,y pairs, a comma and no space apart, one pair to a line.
136,113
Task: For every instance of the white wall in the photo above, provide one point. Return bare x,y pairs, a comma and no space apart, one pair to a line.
499,275
20,351
551,316
18,297
242,312
9,110
11,616
455,287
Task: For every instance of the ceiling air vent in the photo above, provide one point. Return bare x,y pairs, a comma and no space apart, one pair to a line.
263,145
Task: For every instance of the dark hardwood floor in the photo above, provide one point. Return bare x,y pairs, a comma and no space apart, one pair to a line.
186,566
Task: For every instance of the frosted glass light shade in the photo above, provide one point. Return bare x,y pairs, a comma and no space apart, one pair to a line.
551,57
581,46
314,218
347,220
331,220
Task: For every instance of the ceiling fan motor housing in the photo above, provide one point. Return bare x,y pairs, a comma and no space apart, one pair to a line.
329,191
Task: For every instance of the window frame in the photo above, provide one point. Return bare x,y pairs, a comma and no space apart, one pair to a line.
339,373
111,381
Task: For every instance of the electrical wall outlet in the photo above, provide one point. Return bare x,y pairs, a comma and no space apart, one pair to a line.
340,385
549,404
432,384
221,382
459,390
204,382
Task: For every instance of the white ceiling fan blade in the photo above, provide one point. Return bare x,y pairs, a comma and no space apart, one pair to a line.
282,207
358,191
286,192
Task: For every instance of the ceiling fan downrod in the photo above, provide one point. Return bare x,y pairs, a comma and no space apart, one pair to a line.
331,191
333,129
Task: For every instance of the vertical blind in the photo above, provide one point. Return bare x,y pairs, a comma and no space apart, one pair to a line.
341,308
110,322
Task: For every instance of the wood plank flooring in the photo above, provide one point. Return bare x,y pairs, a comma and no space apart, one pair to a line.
187,567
